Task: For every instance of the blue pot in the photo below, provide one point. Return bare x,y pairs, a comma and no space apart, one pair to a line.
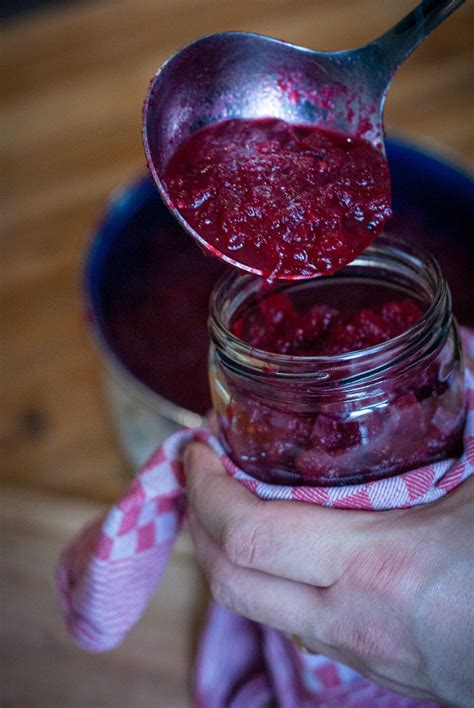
433,204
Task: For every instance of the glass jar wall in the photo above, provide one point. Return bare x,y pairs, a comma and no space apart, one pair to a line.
350,416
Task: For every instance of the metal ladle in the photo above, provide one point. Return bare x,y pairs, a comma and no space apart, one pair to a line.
242,75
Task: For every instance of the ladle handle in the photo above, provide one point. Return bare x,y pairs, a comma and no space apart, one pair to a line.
398,43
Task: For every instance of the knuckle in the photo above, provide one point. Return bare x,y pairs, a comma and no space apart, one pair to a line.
385,566
224,589
245,541
314,620
366,640
389,572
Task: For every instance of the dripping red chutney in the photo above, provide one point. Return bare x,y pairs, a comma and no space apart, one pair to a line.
342,379
286,201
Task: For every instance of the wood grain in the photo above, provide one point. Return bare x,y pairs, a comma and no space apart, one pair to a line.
73,84
73,81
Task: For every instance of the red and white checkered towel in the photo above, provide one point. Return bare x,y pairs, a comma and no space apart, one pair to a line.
108,574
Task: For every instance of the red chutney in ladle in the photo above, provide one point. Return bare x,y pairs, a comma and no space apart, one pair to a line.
281,200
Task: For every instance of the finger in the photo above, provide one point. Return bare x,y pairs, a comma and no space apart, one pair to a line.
297,541
277,602
291,607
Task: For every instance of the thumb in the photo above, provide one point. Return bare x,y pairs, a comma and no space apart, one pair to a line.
200,461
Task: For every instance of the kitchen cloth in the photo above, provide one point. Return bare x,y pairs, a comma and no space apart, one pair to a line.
107,576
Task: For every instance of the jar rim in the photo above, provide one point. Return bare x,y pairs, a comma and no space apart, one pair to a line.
435,319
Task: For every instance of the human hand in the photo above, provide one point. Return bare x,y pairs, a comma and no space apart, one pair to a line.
387,593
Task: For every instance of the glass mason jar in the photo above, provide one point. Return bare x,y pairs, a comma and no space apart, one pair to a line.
351,417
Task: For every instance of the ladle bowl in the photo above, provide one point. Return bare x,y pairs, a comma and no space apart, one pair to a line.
242,75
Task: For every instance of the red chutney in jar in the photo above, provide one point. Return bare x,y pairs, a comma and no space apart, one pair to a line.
288,201
274,325
336,408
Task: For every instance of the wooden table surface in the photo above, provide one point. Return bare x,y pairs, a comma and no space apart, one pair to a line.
74,78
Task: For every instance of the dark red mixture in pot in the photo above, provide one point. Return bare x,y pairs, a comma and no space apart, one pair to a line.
156,320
